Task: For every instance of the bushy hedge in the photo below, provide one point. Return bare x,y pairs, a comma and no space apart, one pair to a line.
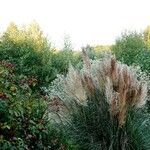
32,53
24,115
131,48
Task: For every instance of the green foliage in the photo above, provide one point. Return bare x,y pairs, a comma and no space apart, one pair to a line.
131,49
24,115
67,46
62,59
80,100
147,35
128,47
97,52
29,50
143,60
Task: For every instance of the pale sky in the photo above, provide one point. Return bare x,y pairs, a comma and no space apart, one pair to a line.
85,21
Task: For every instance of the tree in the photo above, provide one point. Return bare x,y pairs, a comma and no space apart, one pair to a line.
128,47
67,45
29,49
147,35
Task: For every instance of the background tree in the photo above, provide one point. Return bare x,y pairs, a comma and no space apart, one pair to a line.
147,35
28,48
128,47
66,56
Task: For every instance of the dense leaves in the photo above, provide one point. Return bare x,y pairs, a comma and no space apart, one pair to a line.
24,120
32,53
29,64
131,49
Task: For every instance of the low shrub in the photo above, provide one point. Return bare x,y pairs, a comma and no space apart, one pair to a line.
24,115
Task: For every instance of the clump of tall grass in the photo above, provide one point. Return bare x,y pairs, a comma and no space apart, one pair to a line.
102,106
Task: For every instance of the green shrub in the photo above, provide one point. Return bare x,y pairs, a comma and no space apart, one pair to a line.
63,58
128,47
29,50
32,53
143,60
147,35
131,48
96,52
24,115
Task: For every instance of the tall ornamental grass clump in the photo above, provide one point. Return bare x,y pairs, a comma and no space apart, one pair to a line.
102,106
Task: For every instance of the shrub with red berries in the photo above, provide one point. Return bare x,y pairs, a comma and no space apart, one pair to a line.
24,120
